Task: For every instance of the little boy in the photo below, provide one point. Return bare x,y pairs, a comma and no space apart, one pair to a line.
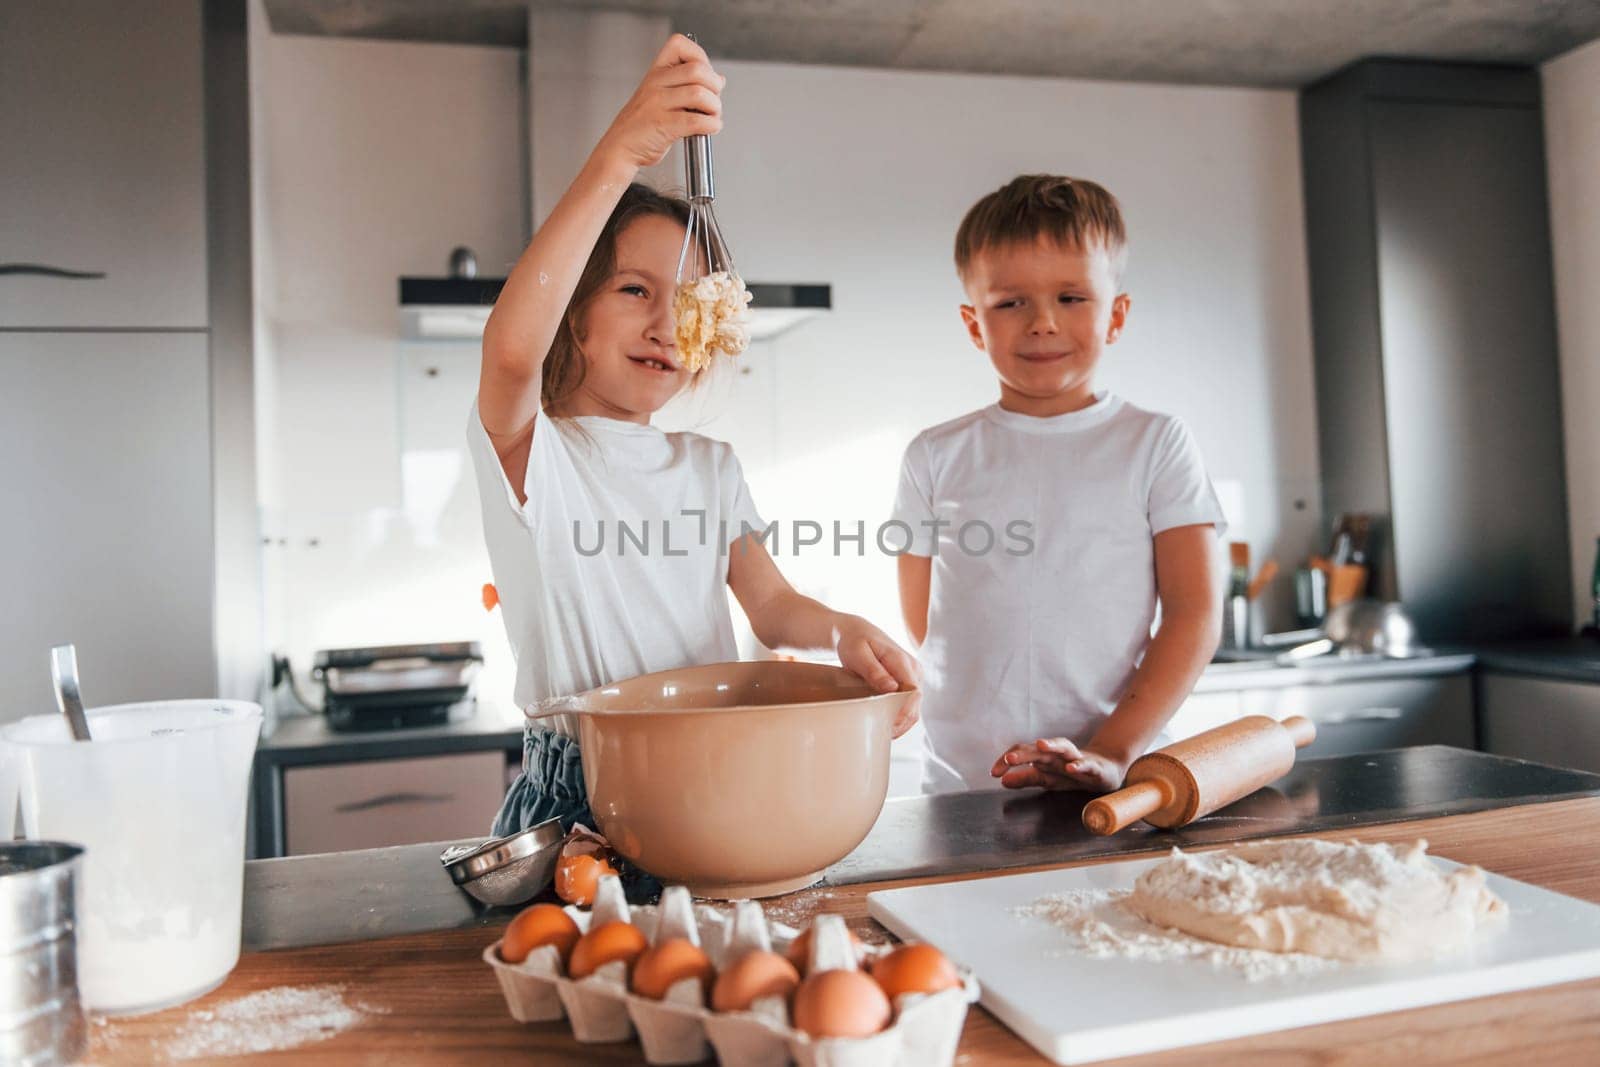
1039,666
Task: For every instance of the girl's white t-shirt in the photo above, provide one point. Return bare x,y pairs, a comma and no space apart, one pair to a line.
617,564
1039,633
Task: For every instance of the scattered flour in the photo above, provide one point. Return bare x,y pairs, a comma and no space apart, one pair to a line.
274,1019
796,909
1103,927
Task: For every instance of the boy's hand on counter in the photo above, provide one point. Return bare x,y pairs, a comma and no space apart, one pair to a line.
1057,763
680,96
865,650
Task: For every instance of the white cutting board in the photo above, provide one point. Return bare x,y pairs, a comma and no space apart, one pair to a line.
1075,1009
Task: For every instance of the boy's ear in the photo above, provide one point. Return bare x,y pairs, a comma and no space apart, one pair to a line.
969,316
1119,316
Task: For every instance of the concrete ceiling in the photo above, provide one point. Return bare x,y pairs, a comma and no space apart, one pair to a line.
1280,43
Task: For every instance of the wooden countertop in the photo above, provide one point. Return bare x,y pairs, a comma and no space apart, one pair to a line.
429,999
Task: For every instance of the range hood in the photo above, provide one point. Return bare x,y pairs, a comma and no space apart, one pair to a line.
455,309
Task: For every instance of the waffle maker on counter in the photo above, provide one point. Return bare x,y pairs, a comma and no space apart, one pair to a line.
391,687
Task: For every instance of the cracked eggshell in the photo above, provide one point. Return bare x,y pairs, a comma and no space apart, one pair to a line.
585,858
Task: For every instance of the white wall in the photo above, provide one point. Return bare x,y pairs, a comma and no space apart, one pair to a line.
1572,149
376,160
583,65
859,178
379,157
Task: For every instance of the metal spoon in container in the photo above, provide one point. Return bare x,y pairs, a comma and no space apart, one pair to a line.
64,668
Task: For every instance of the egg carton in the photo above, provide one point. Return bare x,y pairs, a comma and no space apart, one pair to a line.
680,1029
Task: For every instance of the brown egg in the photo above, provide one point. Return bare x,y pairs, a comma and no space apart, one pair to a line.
751,977
799,952
914,969
840,1004
535,927
611,941
663,966
578,877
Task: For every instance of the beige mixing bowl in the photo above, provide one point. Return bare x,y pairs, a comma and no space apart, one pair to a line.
735,779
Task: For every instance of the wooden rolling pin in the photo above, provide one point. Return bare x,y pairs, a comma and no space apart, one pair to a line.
1178,784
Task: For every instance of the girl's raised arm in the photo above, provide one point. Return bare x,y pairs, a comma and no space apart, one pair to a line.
679,97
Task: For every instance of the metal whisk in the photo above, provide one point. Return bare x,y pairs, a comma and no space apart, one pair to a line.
704,251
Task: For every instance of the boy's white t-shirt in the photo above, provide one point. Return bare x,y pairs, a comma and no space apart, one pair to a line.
586,602
1029,642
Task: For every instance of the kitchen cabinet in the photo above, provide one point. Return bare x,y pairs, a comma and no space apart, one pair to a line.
106,539
127,401
103,168
1541,719
1431,290
377,803
1354,715
415,784
1373,714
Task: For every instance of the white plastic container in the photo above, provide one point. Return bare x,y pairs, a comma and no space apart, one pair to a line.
157,800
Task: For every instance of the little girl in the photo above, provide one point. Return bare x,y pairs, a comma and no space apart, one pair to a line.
577,355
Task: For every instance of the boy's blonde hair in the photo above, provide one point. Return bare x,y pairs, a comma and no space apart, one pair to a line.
1031,206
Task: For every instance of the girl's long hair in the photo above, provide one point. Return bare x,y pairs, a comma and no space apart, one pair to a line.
564,365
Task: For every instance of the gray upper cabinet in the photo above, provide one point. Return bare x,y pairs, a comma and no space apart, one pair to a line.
102,163
1433,318
106,540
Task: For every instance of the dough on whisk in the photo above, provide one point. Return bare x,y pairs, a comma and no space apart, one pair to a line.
1346,901
709,316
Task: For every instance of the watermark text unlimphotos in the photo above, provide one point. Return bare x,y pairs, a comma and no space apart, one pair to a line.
693,528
